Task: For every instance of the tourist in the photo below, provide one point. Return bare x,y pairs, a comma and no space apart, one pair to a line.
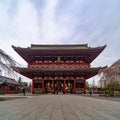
23,91
57,91
90,92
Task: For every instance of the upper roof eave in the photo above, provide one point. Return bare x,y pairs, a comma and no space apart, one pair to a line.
25,53
58,47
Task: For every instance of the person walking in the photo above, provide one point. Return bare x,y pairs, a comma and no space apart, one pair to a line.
23,91
57,91
90,92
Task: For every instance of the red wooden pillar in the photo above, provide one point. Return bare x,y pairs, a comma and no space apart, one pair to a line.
84,85
6,88
32,85
3,89
64,86
74,85
53,87
42,85
15,88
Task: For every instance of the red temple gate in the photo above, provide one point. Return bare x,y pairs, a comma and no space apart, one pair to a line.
58,66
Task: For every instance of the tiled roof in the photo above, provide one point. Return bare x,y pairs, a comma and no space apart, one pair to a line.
56,69
59,47
7,80
32,72
40,52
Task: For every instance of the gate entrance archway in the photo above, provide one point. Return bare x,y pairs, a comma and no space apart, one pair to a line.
59,86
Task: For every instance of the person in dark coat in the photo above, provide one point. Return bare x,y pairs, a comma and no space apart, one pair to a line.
23,91
90,92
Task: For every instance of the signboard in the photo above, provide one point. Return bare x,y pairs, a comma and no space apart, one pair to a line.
37,81
79,81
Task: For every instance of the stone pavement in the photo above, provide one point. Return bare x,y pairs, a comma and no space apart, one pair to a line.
102,97
59,107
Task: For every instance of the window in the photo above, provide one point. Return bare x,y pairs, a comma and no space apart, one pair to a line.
11,88
37,85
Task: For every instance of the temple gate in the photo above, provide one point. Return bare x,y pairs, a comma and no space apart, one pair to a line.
63,67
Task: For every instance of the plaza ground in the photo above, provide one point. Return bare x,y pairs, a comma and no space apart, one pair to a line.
60,107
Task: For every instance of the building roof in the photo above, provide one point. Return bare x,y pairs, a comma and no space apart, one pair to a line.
36,52
32,72
59,47
113,69
8,80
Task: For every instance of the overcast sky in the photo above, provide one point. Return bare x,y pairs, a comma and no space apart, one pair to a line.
95,22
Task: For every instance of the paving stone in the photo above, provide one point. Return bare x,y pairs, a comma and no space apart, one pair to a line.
59,107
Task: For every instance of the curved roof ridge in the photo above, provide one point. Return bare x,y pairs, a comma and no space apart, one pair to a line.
58,46
66,45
